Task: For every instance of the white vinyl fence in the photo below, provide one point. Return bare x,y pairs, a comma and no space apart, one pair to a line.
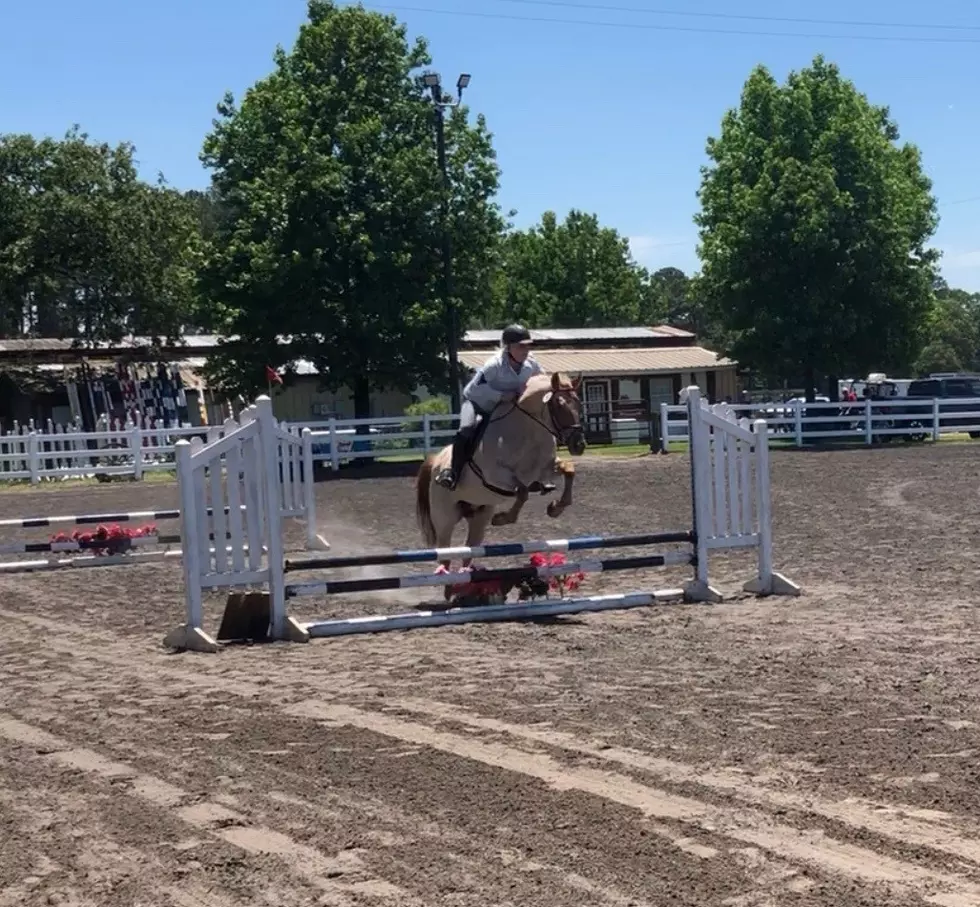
66,452
63,452
866,421
337,441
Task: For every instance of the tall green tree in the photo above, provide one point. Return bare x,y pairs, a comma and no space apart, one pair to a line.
210,210
814,226
327,173
672,289
576,273
952,332
88,251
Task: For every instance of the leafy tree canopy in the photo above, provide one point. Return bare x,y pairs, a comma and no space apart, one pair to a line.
952,332
571,274
327,172
814,225
87,250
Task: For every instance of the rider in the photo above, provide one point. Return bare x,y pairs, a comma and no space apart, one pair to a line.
502,377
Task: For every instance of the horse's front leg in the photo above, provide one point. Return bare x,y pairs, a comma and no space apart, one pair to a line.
509,517
567,470
476,523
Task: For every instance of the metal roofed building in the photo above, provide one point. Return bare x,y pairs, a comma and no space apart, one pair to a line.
626,372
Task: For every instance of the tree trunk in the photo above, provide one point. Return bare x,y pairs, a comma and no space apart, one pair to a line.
362,398
362,410
833,388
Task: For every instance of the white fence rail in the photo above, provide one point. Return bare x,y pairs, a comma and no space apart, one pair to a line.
339,440
65,452
866,421
59,453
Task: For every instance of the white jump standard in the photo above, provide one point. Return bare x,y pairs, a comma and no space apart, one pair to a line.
293,494
730,509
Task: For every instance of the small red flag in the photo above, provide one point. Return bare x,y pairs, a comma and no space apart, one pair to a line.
272,376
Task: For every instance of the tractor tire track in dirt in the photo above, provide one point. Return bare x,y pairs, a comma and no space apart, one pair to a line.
812,753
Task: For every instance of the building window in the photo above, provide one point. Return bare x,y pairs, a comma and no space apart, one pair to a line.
629,389
661,391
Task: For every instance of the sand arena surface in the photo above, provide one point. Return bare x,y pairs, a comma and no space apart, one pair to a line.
811,751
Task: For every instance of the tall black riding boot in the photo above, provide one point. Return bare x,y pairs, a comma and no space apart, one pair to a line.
449,476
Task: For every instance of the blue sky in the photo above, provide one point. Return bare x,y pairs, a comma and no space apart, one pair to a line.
606,107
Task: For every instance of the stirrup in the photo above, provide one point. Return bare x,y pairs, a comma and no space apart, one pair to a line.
445,479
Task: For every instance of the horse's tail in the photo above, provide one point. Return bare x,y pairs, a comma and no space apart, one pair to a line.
423,509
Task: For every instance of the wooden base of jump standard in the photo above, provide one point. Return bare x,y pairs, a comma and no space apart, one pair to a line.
246,618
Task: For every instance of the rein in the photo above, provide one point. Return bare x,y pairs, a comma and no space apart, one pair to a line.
478,472
558,436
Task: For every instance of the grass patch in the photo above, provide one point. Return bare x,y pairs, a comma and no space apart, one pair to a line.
20,486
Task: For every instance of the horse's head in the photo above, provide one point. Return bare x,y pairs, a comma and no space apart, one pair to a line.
565,410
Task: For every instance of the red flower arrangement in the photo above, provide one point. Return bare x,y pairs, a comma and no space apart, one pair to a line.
494,591
537,586
106,540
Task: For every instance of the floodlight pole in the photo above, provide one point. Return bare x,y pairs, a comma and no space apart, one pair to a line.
440,103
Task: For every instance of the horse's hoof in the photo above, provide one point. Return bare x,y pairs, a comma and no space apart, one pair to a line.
555,509
499,520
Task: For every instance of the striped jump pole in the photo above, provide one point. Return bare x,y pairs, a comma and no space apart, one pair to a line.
142,541
90,519
499,549
512,574
413,620
76,563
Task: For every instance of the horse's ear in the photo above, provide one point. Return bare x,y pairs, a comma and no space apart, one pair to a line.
576,383
556,381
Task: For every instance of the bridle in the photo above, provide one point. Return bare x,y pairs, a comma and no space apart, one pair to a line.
554,408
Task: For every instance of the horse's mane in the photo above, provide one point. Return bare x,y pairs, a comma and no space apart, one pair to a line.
539,385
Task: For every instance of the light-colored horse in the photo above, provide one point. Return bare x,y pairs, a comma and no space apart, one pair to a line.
518,451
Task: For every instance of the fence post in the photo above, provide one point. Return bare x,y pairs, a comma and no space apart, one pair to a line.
309,498
33,458
699,455
334,441
768,582
868,422
935,418
426,433
191,635
281,625
136,445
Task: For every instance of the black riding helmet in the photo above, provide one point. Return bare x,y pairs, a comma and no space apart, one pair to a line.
515,333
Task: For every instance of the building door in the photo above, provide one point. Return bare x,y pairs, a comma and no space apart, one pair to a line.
598,404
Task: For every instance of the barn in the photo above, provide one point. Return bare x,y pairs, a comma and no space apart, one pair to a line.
626,372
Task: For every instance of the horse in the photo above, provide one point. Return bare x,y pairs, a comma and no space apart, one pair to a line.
516,454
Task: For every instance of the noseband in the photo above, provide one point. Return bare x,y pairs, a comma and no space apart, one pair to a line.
554,410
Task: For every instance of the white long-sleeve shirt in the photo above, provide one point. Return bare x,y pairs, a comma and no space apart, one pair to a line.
496,377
